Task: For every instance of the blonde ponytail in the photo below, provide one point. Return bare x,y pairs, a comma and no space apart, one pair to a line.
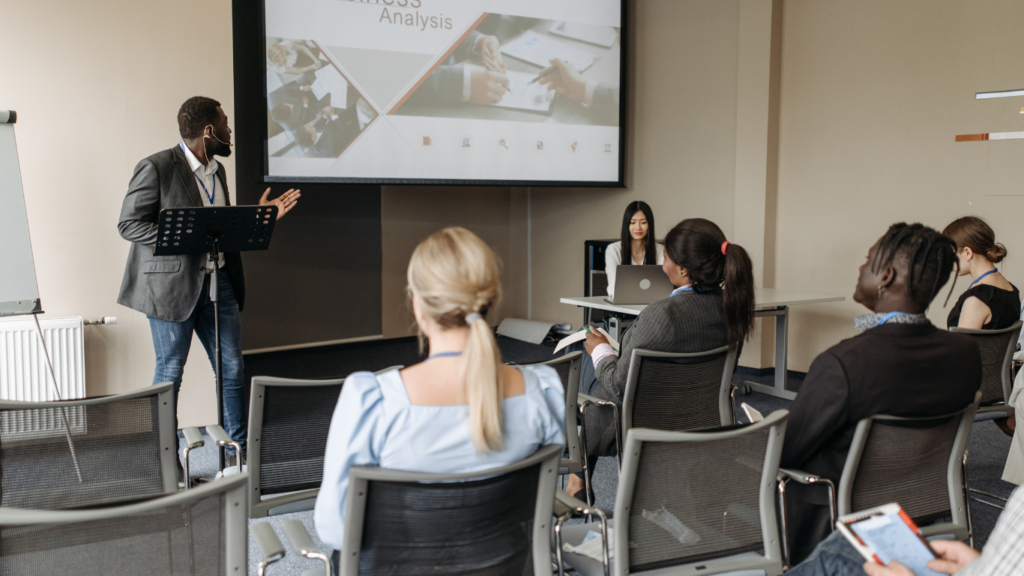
455,275
481,379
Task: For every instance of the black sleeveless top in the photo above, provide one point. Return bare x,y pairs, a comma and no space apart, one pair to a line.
1005,306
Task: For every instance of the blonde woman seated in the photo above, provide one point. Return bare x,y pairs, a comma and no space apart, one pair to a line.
461,409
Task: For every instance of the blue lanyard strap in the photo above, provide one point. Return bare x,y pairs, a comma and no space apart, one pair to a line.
442,355
689,288
978,279
890,316
209,196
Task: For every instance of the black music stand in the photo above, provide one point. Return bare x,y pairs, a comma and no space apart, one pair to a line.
214,230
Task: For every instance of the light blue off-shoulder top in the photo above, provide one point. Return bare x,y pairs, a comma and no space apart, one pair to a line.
375,424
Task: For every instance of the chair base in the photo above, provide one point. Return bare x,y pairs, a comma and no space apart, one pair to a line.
575,534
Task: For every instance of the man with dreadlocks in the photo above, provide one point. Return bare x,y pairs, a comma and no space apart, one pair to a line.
899,365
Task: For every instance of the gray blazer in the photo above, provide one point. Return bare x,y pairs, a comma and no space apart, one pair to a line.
166,287
686,322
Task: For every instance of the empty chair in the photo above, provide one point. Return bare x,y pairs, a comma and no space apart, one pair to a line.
415,523
997,348
95,451
568,368
288,425
694,503
676,391
198,532
918,463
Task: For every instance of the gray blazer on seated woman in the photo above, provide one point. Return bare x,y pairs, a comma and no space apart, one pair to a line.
712,305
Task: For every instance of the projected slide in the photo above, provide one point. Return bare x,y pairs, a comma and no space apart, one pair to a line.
444,90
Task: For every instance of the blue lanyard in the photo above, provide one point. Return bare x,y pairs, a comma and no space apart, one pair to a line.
687,288
982,276
442,355
209,196
890,316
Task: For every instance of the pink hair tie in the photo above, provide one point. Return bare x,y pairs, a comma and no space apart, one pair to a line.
724,244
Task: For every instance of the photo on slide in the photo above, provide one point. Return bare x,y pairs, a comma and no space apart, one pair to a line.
313,110
520,69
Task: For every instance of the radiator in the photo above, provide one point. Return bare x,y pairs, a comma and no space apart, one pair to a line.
23,372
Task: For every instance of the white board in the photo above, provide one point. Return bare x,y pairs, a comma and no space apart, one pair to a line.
19,292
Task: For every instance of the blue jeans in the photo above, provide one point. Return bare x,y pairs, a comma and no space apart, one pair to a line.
173,339
834,556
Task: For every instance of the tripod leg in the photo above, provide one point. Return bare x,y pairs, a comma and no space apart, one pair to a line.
63,411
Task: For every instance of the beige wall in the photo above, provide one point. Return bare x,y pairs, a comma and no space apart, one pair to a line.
680,144
804,154
411,213
97,87
873,93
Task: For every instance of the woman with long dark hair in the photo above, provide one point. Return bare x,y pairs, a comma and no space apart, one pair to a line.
712,306
636,239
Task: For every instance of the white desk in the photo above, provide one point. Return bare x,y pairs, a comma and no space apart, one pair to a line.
768,302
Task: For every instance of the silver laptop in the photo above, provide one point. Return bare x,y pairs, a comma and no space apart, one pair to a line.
640,285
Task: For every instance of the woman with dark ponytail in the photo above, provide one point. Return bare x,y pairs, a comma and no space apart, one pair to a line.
712,306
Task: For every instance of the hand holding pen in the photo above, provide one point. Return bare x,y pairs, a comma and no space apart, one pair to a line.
561,78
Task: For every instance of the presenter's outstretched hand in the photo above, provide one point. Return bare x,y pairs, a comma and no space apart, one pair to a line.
487,87
564,80
285,202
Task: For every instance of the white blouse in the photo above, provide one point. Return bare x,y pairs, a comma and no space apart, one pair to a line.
613,258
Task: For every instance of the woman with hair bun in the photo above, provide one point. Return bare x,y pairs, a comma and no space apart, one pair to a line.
991,302
461,409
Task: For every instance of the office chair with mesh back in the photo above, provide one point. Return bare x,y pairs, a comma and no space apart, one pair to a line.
495,522
674,391
89,452
997,348
288,424
919,463
694,503
200,532
568,368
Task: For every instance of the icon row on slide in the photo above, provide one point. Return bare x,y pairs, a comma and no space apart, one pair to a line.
505,144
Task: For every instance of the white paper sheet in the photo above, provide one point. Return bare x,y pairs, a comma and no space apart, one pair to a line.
582,335
330,81
591,546
540,50
524,96
753,414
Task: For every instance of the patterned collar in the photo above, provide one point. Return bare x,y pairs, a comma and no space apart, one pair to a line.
868,321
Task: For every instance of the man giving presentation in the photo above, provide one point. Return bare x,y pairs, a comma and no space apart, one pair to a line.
174,291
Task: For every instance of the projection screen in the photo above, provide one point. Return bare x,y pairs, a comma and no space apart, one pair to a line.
510,92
